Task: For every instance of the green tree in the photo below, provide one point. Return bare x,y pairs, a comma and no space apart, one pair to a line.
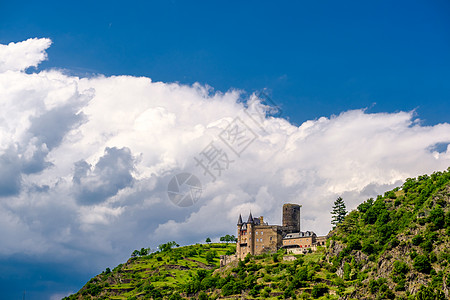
427,293
203,296
422,264
228,238
319,290
339,211
208,240
437,216
176,296
210,255
167,246
144,251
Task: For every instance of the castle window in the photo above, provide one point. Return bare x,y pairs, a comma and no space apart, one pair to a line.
257,232
260,240
262,232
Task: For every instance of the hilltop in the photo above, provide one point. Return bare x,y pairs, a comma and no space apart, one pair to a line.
394,247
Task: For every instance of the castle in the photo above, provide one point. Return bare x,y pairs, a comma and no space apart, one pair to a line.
256,237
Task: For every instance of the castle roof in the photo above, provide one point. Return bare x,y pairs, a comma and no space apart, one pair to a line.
299,234
240,220
250,218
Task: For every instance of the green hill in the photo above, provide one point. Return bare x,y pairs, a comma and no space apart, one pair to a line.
394,247
397,245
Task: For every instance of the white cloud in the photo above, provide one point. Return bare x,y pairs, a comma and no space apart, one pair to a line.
65,138
22,55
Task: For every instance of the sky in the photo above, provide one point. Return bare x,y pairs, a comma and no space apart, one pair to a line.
103,104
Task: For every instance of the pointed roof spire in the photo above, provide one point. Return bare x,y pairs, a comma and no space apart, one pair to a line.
240,220
250,218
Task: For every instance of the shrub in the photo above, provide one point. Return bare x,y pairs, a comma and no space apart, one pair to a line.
417,240
265,294
426,293
354,242
390,194
275,257
319,290
347,270
427,245
176,296
210,255
368,247
202,296
422,264
422,221
437,217
400,268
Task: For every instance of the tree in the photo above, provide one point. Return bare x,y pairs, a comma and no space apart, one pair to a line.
208,240
167,246
135,253
210,255
338,212
144,251
203,296
228,238
422,264
319,290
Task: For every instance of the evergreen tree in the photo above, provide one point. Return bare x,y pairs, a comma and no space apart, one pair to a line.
338,211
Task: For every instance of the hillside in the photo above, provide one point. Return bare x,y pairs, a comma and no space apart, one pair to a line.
394,247
397,245
186,273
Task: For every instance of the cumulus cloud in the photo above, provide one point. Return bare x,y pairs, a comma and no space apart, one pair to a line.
20,56
85,162
111,174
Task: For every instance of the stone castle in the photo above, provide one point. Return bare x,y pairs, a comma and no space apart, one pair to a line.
257,237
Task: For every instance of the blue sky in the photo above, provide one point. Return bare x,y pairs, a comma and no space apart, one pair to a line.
315,58
86,153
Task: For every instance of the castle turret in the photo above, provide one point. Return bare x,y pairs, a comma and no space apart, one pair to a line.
250,218
240,220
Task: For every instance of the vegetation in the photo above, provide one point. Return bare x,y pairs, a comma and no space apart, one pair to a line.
396,246
228,238
398,242
339,211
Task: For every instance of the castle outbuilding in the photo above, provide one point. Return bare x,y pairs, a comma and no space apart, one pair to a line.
257,237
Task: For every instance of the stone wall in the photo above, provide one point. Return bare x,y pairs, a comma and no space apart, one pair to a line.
226,259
